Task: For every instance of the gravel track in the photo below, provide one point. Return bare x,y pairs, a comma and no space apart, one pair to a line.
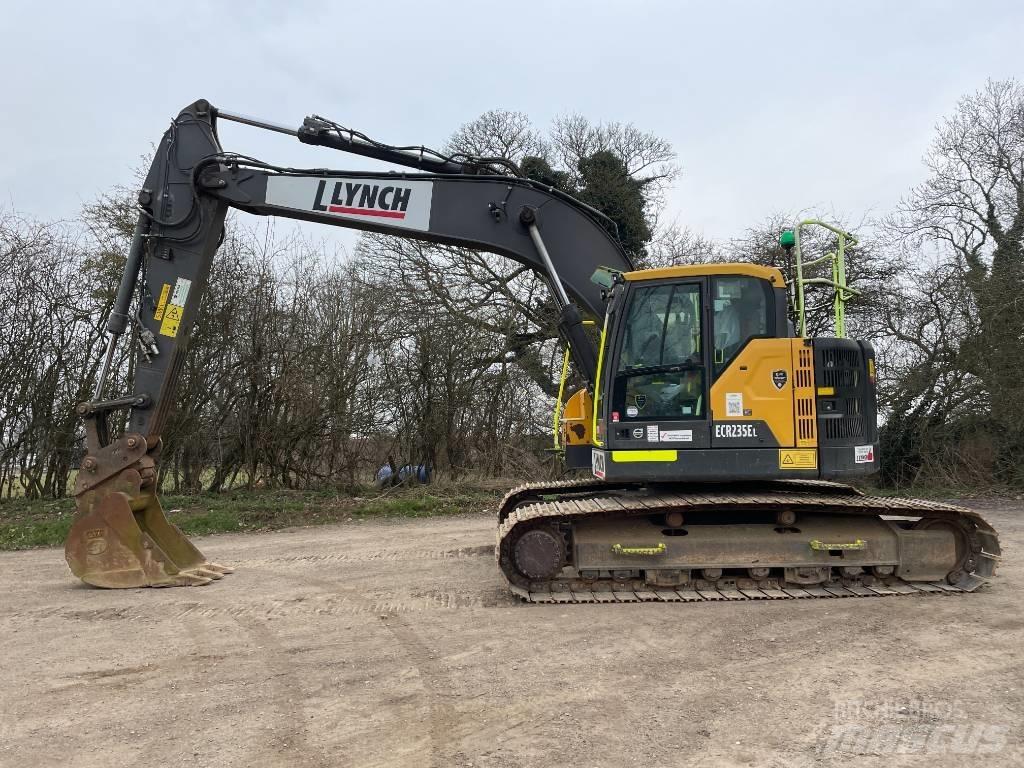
396,643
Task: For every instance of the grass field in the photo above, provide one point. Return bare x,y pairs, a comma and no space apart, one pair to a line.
26,524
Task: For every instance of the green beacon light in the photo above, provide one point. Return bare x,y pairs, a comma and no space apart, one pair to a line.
787,239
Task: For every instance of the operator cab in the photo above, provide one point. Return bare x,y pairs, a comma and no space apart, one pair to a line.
700,377
671,336
676,338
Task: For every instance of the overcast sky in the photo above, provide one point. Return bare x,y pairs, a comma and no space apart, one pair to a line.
771,106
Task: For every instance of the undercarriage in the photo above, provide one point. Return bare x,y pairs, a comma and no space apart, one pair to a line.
588,541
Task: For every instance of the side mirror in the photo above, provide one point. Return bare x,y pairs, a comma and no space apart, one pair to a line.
606,277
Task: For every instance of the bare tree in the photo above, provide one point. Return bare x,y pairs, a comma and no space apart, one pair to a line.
970,213
498,133
675,245
47,331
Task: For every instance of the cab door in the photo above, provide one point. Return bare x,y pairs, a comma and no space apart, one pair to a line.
658,377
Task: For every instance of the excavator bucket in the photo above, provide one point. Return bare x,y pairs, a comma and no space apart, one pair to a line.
121,538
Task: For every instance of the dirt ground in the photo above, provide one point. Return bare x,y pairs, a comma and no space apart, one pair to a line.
395,643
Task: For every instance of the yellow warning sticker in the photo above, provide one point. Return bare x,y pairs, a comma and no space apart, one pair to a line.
160,305
798,459
172,319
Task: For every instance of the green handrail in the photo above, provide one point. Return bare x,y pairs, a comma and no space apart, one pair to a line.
790,240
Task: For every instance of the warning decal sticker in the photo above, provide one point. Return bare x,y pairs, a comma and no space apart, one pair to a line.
798,459
171,321
175,309
162,303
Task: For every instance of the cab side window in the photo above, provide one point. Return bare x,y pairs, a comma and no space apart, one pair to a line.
740,309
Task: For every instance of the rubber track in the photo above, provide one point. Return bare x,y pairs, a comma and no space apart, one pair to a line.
576,499
662,595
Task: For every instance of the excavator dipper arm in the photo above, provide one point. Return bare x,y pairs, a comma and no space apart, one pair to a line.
120,537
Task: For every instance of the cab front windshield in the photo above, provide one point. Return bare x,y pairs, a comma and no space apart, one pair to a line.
660,374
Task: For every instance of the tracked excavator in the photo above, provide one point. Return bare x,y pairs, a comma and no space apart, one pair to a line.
714,430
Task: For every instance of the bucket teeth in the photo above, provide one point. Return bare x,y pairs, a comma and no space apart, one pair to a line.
208,573
184,579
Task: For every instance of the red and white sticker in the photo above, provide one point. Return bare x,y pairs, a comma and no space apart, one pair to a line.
597,463
402,203
864,454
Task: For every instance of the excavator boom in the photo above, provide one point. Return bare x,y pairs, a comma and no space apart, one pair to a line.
192,183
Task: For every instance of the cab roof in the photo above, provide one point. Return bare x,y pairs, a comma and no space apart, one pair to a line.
771,274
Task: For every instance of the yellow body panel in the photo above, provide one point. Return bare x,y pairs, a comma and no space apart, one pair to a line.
576,419
750,376
771,274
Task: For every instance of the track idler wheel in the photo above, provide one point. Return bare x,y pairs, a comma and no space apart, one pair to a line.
964,546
